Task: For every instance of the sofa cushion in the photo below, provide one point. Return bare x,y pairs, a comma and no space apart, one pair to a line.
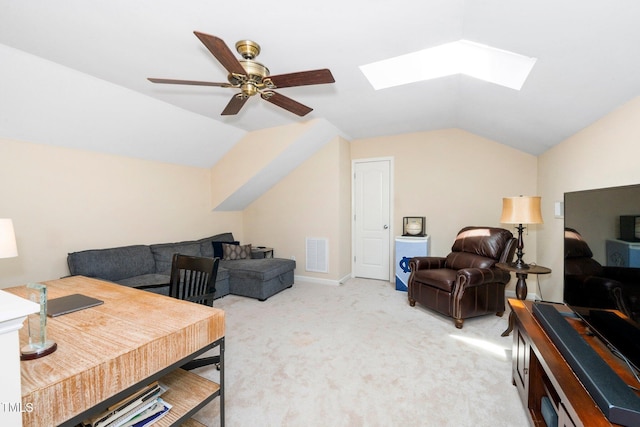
259,278
206,248
231,251
261,290
218,250
163,254
257,269
223,274
113,263
142,282
145,280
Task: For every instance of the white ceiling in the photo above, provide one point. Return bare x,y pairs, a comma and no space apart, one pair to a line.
587,63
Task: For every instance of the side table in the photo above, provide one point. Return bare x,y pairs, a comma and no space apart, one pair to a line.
521,284
261,252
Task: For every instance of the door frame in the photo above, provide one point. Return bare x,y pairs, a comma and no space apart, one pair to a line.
391,259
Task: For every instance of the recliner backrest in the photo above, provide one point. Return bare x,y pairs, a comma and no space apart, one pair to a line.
578,256
574,245
480,247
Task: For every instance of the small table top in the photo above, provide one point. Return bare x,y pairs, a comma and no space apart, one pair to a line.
531,269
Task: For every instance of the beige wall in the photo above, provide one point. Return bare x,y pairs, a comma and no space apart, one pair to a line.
312,201
461,182
63,200
454,179
250,155
604,154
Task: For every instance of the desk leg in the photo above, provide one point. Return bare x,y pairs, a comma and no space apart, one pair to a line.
521,294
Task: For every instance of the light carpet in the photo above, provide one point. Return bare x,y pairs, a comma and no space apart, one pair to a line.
359,355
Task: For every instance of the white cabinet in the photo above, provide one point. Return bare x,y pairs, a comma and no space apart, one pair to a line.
406,248
621,253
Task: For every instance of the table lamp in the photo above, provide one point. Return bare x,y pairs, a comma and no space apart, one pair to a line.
8,247
38,345
521,210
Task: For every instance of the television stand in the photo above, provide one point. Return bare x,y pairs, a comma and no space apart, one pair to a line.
549,389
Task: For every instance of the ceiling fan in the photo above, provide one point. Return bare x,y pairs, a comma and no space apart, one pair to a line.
253,78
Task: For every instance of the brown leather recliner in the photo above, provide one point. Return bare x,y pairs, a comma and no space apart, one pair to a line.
587,283
466,283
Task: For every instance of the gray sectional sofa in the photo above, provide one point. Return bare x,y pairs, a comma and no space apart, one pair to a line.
148,267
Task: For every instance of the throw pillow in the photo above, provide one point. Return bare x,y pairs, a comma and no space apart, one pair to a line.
217,248
236,251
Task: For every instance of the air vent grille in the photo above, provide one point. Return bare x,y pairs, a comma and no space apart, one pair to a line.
317,255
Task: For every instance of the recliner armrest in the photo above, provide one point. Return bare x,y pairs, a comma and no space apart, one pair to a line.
479,276
582,287
426,263
593,291
622,274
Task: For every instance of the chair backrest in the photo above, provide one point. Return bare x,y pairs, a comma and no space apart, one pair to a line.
193,278
481,247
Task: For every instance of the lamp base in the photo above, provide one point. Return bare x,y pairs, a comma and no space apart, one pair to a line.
519,263
35,351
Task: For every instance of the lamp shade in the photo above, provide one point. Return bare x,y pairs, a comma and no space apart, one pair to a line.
521,210
8,248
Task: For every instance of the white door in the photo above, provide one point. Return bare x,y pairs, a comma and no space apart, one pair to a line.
372,228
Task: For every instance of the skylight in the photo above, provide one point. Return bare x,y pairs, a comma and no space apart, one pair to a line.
461,57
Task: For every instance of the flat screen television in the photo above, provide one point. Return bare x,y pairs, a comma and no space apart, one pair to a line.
600,218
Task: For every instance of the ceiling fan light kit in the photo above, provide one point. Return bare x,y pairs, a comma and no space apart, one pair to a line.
253,78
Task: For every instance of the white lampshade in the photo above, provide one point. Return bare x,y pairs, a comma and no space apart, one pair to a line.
521,210
8,247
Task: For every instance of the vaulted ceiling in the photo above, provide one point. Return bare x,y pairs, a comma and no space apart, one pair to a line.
64,58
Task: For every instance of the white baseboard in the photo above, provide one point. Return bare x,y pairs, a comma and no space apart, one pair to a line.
332,282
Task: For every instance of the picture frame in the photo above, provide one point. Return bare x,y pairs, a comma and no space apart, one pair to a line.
413,226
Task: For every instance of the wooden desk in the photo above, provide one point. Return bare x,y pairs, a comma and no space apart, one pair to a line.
107,352
540,370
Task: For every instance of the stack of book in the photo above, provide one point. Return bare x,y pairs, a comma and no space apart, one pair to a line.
141,409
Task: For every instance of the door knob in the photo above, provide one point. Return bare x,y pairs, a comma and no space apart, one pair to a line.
386,226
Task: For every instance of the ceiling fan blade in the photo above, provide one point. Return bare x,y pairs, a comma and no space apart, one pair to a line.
234,105
302,78
287,103
187,82
221,51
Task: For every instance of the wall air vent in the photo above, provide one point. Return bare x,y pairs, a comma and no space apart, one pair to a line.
317,255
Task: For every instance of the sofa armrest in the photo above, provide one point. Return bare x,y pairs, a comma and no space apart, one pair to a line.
425,263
